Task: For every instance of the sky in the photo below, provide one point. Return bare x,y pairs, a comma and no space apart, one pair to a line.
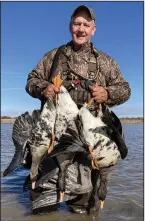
30,29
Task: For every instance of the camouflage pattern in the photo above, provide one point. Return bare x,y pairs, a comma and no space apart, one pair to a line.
84,7
88,63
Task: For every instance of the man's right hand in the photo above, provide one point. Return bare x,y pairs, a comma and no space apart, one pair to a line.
50,92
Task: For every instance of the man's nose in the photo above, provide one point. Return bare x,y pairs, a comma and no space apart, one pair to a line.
81,28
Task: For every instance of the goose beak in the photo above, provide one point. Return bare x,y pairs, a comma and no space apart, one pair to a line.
101,204
61,197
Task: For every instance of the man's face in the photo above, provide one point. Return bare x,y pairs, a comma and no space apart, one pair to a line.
82,28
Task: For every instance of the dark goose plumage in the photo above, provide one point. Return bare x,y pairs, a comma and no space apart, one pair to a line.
21,134
114,124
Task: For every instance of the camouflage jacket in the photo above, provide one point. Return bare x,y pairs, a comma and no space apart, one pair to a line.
89,63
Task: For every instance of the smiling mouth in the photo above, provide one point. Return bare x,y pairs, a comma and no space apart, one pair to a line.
80,36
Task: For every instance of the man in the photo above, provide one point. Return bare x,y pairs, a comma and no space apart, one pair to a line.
80,59
77,63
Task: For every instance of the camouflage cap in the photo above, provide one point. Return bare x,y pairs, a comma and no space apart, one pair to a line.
84,7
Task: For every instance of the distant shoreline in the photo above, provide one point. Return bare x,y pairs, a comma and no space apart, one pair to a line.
7,121
131,121
123,120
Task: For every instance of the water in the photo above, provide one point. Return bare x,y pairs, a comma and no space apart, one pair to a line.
124,200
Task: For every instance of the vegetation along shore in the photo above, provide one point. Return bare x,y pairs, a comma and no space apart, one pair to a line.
126,120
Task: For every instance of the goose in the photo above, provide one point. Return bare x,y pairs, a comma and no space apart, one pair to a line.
96,135
67,112
104,142
53,122
41,137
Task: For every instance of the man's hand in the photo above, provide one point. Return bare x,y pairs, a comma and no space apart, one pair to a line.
99,93
50,92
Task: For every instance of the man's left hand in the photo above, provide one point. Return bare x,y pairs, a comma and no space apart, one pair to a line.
99,93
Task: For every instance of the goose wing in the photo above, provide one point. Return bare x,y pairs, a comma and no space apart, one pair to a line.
21,133
70,142
116,132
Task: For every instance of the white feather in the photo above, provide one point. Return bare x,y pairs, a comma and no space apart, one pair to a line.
104,151
67,111
89,121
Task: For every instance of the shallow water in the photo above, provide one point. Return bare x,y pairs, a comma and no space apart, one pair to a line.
124,201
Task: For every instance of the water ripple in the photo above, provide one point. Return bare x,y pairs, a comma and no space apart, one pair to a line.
125,187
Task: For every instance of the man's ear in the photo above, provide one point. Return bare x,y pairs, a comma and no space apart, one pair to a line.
93,30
